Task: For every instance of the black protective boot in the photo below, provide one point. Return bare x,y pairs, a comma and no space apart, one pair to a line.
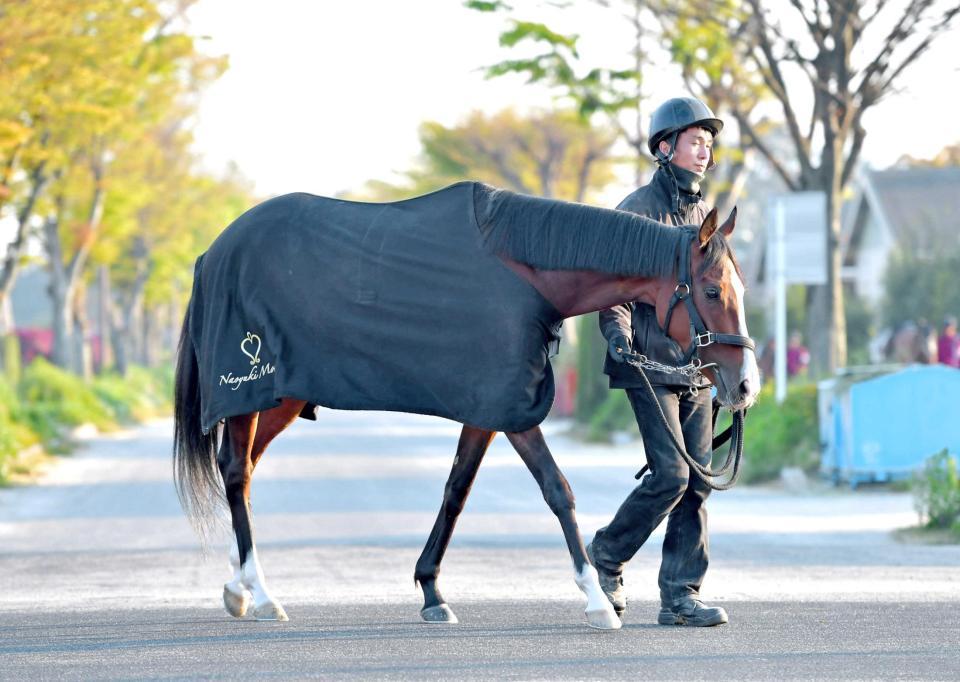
611,584
691,612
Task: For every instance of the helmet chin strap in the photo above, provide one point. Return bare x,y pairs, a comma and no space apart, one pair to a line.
665,159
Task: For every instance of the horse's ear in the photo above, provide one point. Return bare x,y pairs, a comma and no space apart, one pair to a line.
708,227
729,223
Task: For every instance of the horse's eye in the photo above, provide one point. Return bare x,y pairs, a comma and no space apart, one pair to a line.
712,292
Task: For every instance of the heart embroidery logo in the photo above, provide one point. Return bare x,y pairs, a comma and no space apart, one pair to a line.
251,340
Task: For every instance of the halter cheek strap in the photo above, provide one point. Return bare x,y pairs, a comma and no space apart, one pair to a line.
699,334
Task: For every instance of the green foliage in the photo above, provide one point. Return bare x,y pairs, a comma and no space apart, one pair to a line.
613,414
777,436
54,397
482,6
538,33
921,287
592,391
553,154
860,329
936,490
48,401
14,435
142,394
552,59
10,360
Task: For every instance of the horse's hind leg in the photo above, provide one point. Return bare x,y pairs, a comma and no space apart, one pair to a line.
533,450
470,450
266,425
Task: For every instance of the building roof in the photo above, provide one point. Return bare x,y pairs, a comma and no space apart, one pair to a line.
920,207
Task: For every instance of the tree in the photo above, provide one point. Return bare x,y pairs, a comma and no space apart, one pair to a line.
30,78
948,156
98,75
816,48
702,51
550,154
704,54
916,288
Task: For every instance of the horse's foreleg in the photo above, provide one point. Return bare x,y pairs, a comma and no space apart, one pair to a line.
470,450
236,468
533,450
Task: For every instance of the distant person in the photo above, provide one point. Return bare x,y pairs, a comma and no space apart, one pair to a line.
913,342
798,357
767,359
948,343
926,344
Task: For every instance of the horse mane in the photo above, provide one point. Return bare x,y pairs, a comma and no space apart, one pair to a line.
549,234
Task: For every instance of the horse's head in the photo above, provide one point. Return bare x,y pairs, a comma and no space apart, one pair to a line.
705,313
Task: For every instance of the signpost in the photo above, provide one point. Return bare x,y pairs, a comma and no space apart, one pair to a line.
796,254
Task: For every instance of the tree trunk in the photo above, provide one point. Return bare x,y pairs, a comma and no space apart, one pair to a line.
837,351
591,381
65,277
82,353
726,200
61,354
120,342
148,349
173,326
828,329
7,326
104,325
11,261
638,59
59,291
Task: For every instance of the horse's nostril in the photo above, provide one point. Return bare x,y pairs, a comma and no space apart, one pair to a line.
745,387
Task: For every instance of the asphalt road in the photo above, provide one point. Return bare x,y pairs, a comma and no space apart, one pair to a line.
101,577
496,640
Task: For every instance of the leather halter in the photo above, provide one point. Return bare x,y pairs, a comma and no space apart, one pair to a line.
699,334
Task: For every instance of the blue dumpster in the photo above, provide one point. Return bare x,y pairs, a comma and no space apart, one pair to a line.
882,428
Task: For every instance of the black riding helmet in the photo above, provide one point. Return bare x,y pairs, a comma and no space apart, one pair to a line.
676,115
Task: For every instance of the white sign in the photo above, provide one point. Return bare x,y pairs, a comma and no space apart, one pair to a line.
796,254
804,237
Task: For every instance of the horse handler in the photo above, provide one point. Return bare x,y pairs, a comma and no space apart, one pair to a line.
682,131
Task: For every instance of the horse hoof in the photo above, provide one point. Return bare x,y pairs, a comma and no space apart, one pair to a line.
269,611
603,619
236,604
440,614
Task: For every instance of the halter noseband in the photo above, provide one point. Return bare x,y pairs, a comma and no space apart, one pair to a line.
699,334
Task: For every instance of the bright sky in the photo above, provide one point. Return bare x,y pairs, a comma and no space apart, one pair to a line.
322,96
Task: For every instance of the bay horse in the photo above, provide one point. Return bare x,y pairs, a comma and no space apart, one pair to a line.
518,258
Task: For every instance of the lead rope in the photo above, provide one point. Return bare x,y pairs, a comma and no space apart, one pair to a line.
734,453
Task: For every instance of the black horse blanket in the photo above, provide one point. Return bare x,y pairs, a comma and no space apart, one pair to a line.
363,306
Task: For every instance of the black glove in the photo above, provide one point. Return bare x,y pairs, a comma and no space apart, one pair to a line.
618,346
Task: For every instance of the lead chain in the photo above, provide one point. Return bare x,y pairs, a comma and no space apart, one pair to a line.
691,369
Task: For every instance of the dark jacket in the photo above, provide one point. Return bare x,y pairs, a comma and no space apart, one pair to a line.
638,321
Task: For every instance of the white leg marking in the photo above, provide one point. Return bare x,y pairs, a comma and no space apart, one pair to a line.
599,611
265,607
236,598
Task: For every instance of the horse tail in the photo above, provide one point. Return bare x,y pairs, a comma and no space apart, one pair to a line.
195,470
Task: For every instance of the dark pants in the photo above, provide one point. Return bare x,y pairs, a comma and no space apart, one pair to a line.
668,491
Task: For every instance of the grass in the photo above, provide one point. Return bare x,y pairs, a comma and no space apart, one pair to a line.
38,412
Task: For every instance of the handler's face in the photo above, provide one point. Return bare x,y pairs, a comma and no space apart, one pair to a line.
693,149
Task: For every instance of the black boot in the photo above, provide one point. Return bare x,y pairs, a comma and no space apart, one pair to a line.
691,612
